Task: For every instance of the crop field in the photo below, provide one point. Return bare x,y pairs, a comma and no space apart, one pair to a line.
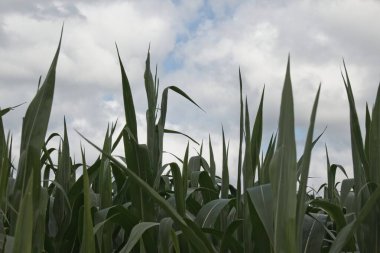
136,203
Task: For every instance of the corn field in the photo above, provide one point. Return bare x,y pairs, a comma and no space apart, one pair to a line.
136,203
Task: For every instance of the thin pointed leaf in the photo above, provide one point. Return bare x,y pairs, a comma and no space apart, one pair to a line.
262,201
196,240
178,189
348,231
257,133
88,240
241,131
24,227
34,128
180,133
225,176
212,162
305,166
210,212
283,172
129,108
164,234
136,235
313,233
374,142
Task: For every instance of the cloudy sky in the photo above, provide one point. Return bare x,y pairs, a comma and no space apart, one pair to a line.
198,45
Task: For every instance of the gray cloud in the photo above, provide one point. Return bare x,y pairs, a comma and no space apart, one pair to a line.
41,9
199,46
258,37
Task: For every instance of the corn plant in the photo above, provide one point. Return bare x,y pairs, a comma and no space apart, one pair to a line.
135,203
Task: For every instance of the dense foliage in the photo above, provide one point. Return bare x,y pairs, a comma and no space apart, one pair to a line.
138,204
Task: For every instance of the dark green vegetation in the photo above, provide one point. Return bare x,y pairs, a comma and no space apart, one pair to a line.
138,204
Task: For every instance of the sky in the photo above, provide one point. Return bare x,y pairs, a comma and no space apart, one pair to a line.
198,46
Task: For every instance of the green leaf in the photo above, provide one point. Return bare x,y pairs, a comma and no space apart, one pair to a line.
105,191
154,134
283,173
180,133
228,240
313,233
374,143
129,108
61,206
261,199
212,162
367,130
164,234
241,132
6,110
157,155
185,177
348,231
88,240
211,211
249,177
300,160
347,186
248,169
105,180
196,240
136,235
205,182
101,224
40,220
225,176
336,213
360,163
34,129
120,215
264,170
304,168
257,133
5,166
137,158
332,209
24,227
77,187
178,189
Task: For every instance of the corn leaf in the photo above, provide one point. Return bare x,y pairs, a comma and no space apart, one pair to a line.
305,166
105,191
136,235
261,199
211,211
348,231
61,206
34,130
374,142
129,108
229,243
241,132
88,240
225,175
196,240
313,233
212,162
24,227
360,163
283,169
256,135
164,234
178,189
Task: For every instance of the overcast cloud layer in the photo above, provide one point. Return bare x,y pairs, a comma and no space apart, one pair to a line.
198,46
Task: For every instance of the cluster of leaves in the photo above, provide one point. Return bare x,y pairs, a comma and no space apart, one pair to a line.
135,203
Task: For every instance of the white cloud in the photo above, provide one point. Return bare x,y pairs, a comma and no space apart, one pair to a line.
199,46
